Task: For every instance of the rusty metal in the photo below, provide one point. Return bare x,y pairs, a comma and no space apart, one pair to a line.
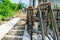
42,9
47,7
41,23
54,25
30,20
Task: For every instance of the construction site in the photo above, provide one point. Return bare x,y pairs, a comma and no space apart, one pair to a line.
40,20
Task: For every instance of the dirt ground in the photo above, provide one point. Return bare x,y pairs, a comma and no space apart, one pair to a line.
21,15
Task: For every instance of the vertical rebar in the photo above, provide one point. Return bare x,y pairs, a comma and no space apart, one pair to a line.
41,24
54,25
30,3
34,3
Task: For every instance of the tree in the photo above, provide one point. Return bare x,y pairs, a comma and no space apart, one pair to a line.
20,6
5,8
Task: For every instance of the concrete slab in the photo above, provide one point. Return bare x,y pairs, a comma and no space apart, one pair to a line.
7,26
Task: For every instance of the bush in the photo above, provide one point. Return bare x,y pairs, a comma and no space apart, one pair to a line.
7,8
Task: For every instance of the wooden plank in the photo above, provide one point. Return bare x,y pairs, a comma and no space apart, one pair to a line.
7,26
12,36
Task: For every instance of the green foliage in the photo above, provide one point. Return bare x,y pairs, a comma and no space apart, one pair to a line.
13,6
20,5
6,8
